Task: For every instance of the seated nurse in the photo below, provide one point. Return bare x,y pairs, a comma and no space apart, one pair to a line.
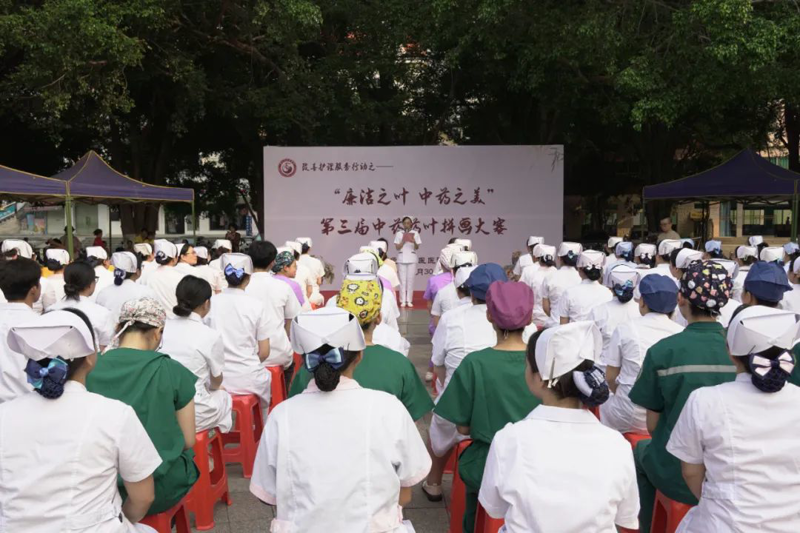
64,448
739,442
337,458
488,389
160,390
560,469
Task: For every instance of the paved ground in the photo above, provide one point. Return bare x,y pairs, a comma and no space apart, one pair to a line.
248,515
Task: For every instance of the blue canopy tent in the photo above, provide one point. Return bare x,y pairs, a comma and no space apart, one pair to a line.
747,175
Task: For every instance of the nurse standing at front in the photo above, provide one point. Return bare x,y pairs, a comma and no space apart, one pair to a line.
338,458
407,242
60,472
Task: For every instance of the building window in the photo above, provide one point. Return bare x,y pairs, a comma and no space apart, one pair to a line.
175,223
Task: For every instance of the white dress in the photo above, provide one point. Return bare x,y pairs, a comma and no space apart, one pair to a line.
554,287
317,270
54,290
378,451
611,314
525,261
199,348
13,380
114,296
242,321
163,281
559,470
749,442
281,303
577,302
535,279
60,472
103,322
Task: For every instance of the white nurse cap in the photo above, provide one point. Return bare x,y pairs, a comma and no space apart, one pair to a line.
667,246
143,248
304,241
645,249
460,259
380,245
295,246
591,259
545,251
731,266
98,252
686,257
58,255
566,247
54,334
361,264
463,275
791,248
743,252
125,261
755,240
329,325
562,348
237,261
759,328
614,241
466,243
773,253
225,244
166,248
201,251
621,273
23,248
535,240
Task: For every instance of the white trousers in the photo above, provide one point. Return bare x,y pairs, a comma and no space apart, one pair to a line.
406,272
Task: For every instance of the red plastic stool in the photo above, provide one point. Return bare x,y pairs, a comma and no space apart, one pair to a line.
667,514
458,495
211,486
162,522
634,438
245,434
485,523
277,386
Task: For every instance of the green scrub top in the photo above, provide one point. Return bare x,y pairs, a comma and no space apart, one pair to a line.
385,370
156,387
672,369
487,391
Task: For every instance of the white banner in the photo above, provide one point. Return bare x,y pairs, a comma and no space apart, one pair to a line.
344,197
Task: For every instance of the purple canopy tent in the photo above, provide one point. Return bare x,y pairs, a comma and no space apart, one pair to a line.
91,180
746,175
24,186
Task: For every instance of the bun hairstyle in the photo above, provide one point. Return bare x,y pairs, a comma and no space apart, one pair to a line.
235,277
192,292
587,382
326,377
162,259
765,369
78,276
53,265
56,370
593,272
647,259
571,259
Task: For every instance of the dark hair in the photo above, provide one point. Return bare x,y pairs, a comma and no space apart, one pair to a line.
760,247
263,253
383,252
700,312
232,225
163,260
570,260
192,292
623,293
765,303
774,379
592,273
52,264
51,389
463,289
235,281
17,278
407,218
97,232
716,254
673,257
565,388
78,276
325,376
185,250
649,261
305,247
547,262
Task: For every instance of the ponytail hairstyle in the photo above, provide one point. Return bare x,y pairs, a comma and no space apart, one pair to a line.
327,374
78,276
49,375
593,272
192,292
586,382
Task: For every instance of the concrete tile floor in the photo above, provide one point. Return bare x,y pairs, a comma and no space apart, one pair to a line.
248,515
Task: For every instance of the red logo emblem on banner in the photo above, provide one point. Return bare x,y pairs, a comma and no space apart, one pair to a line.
287,168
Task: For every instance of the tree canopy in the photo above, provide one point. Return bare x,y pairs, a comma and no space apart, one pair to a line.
639,91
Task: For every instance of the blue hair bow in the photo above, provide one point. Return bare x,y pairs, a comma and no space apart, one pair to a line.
56,371
238,273
334,357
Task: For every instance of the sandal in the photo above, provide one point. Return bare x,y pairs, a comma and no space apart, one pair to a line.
432,497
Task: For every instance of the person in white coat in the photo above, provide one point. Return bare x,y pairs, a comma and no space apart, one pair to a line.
623,254
738,442
577,302
645,256
663,263
127,269
220,248
19,281
13,249
559,281
407,242
145,251
98,256
304,276
535,279
60,473
164,280
80,285
624,279
447,297
55,259
315,267
202,270
713,250
245,326
746,256
355,452
388,269
726,312
626,351
791,300
559,469
611,249
200,349
527,260
679,261
461,331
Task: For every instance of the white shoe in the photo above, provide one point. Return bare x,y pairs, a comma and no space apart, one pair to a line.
428,376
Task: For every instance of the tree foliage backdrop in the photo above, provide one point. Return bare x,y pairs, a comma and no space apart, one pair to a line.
189,92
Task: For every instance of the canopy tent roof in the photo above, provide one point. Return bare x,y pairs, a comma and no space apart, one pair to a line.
92,180
27,187
747,174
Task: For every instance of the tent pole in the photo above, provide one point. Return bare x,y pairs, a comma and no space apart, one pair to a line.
194,225
68,217
110,236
